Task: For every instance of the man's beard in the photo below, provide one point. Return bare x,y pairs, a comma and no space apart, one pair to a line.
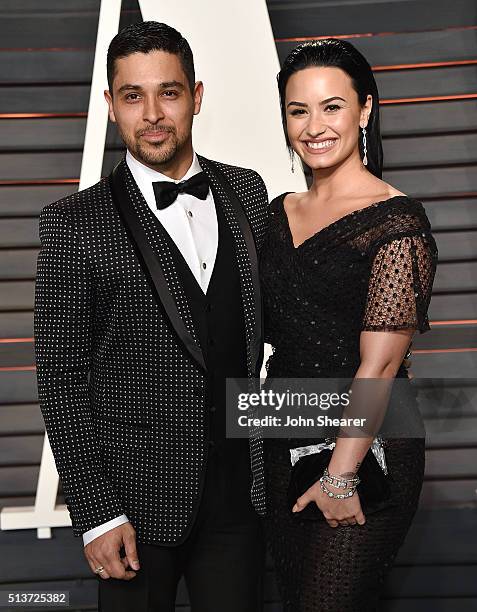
150,154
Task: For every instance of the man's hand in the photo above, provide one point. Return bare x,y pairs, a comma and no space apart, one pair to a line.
103,551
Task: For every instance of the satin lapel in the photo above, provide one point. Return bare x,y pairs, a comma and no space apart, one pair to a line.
247,259
154,256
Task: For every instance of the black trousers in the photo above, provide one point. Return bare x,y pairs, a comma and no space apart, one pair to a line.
222,560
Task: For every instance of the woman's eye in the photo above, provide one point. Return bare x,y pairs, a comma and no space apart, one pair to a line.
297,111
332,107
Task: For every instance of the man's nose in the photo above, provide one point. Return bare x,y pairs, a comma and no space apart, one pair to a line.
153,110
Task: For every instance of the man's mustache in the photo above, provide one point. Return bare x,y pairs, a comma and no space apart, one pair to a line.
156,128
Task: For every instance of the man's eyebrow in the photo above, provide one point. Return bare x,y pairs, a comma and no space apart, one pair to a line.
129,86
168,84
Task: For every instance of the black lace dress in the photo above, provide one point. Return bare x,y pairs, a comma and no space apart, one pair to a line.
371,270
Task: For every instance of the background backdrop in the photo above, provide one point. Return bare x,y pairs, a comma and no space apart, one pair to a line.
424,53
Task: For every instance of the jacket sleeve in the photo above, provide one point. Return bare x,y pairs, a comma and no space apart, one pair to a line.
63,320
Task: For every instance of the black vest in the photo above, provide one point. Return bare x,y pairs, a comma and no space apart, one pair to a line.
219,322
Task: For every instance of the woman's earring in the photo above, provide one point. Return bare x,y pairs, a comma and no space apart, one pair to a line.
292,155
365,158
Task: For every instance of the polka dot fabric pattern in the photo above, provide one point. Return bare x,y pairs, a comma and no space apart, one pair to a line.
372,270
123,402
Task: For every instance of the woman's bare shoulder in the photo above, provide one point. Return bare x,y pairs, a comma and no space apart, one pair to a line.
390,191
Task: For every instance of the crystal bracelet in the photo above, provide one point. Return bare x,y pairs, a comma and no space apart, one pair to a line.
339,482
329,493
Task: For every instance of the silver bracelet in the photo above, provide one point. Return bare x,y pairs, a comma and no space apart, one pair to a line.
324,488
339,482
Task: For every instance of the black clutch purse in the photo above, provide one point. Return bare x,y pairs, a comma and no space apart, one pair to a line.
374,489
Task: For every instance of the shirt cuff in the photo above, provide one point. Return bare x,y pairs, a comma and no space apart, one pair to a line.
89,536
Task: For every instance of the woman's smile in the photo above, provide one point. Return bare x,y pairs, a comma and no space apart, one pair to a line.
319,147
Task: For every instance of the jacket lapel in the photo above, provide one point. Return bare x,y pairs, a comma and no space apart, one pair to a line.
154,256
247,260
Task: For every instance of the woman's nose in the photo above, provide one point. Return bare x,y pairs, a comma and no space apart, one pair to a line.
315,126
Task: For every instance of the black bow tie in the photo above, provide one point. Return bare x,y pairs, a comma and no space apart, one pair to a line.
166,192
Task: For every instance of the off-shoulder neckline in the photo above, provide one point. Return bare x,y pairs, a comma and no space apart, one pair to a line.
325,228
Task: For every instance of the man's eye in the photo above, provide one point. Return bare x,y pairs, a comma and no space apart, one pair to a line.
132,96
170,93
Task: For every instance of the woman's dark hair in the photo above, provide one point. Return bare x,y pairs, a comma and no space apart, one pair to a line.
333,52
145,37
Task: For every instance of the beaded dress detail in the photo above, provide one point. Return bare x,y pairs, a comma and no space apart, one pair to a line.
371,270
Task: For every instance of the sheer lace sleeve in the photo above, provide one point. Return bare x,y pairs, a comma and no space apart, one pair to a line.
400,284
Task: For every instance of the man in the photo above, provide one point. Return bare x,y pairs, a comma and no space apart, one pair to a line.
147,298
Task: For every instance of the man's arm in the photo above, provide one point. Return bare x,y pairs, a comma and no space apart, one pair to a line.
63,319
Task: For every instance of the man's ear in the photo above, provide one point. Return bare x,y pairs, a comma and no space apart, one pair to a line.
109,100
198,95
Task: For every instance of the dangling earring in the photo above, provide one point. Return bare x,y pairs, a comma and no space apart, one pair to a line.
365,158
292,157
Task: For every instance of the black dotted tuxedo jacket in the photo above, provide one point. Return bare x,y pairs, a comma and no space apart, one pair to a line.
120,379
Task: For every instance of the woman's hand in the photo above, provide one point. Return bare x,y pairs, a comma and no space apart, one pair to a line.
336,511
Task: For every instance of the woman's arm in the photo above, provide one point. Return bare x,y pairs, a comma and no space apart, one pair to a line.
381,355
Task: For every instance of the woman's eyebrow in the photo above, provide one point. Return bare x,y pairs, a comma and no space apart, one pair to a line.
303,104
332,98
296,103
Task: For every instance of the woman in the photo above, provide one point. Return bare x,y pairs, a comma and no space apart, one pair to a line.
347,272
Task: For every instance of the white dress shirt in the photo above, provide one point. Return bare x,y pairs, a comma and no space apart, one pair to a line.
190,222
192,225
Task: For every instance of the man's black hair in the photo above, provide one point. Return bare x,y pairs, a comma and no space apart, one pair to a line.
145,37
